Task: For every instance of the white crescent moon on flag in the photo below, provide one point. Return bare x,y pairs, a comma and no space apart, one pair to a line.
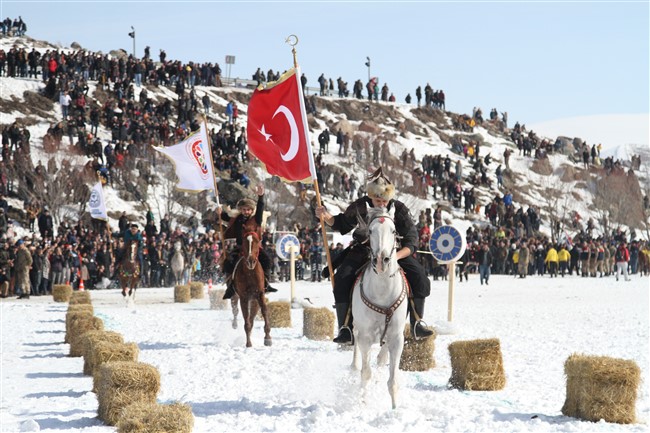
295,140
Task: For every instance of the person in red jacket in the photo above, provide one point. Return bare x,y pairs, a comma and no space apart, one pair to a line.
52,66
622,257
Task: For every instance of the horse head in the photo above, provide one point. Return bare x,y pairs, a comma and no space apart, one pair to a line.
383,240
131,251
250,249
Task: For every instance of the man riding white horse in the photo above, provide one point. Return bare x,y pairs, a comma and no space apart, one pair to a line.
380,193
250,216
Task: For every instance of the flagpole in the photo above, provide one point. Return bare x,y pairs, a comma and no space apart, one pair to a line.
216,190
109,246
311,162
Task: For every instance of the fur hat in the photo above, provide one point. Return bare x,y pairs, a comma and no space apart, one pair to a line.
246,202
379,187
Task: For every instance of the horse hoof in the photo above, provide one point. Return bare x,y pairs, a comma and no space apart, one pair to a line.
267,341
130,292
124,293
249,344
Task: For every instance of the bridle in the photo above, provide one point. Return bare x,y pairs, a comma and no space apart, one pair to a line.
373,257
388,311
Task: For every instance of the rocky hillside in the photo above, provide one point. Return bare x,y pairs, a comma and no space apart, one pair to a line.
397,136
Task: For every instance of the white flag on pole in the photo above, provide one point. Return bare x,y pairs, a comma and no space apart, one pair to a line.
192,162
96,203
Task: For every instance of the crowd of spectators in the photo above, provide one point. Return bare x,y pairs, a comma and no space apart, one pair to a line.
136,122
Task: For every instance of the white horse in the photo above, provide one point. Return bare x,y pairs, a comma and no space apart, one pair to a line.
379,302
178,263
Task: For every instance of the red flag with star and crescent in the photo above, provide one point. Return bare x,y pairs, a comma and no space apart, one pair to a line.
277,129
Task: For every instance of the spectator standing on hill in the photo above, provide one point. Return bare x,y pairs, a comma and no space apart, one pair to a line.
207,105
303,82
45,224
229,112
418,94
64,100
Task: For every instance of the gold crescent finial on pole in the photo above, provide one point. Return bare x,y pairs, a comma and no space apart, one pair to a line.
288,40
293,47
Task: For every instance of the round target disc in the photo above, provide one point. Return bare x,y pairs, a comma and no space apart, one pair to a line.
447,244
283,245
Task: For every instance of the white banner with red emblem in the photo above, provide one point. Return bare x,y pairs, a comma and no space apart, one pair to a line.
192,162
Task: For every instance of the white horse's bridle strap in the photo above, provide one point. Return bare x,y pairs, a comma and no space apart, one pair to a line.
373,256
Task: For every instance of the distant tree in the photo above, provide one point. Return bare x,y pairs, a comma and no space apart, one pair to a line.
556,198
618,200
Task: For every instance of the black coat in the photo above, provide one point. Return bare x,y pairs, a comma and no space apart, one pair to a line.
347,221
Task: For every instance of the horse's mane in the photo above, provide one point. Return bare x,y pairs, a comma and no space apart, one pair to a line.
375,212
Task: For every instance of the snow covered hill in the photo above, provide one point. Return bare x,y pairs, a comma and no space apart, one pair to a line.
557,186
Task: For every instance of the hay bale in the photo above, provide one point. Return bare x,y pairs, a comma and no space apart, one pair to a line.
217,302
80,297
599,387
318,323
78,327
106,351
61,292
123,383
477,365
182,293
279,314
88,342
156,418
76,308
70,316
196,290
417,355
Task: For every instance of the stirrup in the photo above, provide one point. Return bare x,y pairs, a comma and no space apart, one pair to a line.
424,331
342,338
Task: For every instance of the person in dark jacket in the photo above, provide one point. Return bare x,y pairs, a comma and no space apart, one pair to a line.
45,224
380,193
484,263
250,216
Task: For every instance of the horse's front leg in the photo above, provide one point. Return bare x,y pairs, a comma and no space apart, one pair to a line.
235,310
356,357
364,346
267,322
248,323
395,350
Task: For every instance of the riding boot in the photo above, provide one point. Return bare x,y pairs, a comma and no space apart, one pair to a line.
267,286
230,289
345,332
418,330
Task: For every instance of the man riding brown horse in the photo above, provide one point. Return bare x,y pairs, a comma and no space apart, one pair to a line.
248,220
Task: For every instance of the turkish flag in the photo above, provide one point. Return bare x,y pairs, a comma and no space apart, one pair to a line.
277,129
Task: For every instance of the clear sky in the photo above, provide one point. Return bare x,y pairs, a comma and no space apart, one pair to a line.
537,60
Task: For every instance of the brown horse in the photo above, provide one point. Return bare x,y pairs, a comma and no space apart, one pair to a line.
129,274
249,285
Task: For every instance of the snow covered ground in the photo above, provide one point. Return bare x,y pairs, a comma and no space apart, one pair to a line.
308,386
